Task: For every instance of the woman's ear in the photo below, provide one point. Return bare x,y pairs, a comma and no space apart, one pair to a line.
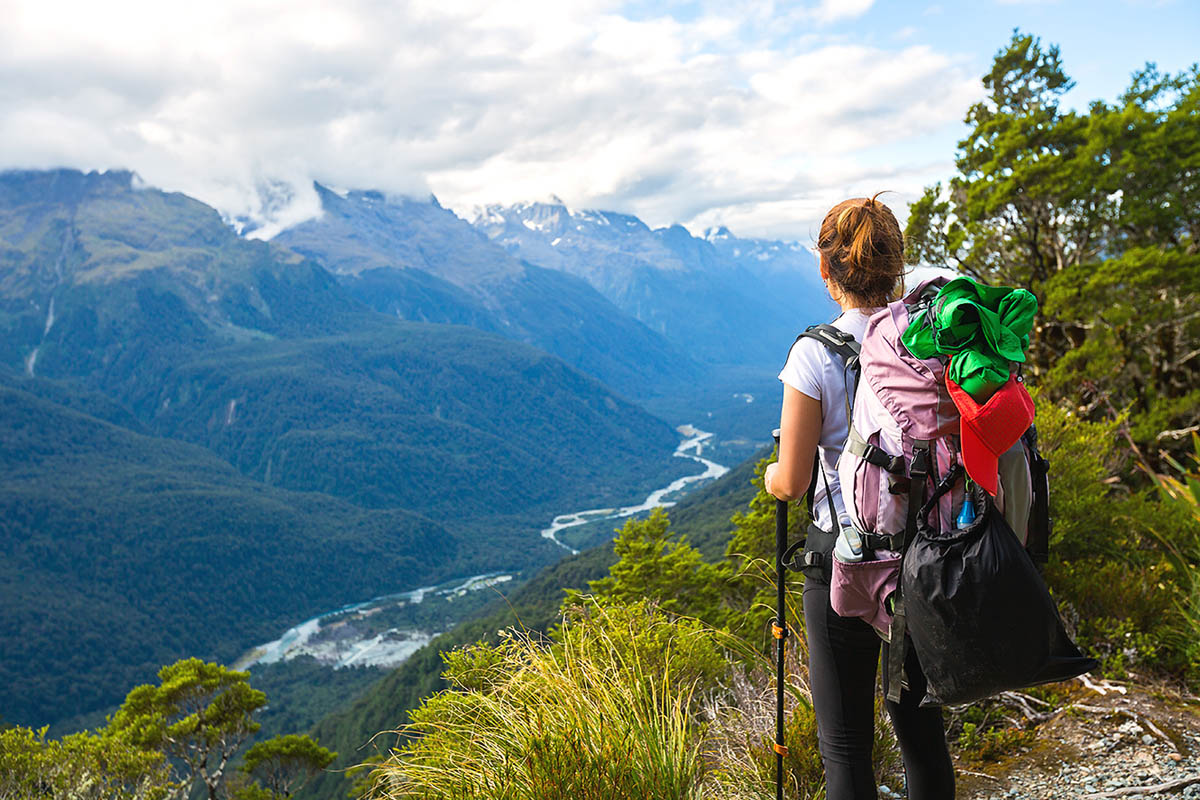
824,269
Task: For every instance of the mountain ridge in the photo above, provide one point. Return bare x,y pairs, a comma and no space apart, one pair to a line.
720,307
416,260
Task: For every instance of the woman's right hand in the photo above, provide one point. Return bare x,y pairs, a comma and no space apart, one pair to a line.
772,468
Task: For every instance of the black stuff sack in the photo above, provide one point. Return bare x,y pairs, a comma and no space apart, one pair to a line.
979,613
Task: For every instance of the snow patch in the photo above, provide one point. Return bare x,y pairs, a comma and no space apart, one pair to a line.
486,215
49,318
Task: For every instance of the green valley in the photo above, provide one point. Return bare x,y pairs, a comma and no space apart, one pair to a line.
207,439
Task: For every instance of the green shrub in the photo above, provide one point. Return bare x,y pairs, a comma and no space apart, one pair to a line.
1123,563
748,570
584,717
85,766
652,564
1181,540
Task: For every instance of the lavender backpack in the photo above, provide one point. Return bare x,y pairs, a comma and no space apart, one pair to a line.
903,438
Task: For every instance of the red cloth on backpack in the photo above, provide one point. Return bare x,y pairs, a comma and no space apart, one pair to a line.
988,430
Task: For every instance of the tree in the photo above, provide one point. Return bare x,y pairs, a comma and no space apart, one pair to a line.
200,713
1098,214
1140,314
286,763
1151,141
652,564
83,766
1025,203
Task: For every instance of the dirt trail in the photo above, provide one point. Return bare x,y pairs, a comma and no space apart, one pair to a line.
1108,741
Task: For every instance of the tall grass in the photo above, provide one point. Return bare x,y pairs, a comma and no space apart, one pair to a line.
583,718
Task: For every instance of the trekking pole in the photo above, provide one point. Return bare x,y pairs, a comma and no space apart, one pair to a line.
779,631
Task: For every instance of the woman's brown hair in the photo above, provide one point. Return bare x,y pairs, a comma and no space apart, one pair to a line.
863,249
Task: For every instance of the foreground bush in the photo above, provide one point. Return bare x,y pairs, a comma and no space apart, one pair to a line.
591,716
82,766
1182,492
1123,561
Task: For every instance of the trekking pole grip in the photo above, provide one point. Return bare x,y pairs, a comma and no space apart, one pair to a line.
779,629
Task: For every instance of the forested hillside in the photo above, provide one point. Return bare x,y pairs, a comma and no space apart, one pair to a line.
122,552
203,435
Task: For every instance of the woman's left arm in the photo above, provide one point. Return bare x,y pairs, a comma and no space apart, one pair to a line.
799,432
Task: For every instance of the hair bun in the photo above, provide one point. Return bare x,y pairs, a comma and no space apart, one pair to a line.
863,249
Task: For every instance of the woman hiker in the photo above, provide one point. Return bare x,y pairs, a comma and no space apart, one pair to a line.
861,260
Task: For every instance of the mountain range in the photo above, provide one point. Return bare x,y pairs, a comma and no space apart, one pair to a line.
416,260
200,429
721,299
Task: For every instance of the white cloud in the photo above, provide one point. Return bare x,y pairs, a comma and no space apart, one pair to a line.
833,10
731,113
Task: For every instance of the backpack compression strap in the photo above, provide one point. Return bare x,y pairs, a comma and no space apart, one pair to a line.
918,474
1041,524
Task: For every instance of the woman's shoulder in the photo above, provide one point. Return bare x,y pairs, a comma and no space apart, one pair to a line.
854,321
808,367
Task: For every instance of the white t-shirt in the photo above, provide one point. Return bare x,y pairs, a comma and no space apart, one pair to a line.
813,370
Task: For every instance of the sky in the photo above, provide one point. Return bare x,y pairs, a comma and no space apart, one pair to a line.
754,115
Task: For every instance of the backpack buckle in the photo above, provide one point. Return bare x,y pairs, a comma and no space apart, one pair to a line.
884,541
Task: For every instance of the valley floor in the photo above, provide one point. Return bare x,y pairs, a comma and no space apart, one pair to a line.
1108,741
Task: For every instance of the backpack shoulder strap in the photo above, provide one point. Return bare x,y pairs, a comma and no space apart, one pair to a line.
844,346
834,339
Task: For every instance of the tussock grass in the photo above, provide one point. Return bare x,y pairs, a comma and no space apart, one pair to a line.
582,718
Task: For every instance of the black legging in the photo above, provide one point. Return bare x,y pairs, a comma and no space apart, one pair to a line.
842,658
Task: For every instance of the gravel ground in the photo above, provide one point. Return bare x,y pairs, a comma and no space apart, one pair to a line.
1121,743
